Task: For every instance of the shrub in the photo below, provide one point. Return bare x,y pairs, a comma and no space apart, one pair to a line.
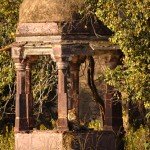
7,138
137,139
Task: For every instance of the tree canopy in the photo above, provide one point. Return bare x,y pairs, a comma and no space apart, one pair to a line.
8,20
130,22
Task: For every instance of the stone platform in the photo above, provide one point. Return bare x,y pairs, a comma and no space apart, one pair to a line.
54,140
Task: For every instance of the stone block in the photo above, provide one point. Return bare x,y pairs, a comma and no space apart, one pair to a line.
53,140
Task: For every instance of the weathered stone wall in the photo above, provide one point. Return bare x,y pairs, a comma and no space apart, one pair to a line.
52,140
38,140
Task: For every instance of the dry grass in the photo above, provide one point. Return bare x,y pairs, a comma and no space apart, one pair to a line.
49,10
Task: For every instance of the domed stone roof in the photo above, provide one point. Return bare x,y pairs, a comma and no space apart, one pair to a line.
34,11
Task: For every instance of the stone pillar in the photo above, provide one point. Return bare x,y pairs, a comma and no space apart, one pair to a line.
108,108
113,109
21,121
62,94
74,89
29,97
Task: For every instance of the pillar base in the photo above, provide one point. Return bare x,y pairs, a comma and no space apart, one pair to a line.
52,140
63,124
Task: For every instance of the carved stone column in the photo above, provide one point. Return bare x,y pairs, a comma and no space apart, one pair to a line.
21,123
108,108
74,89
62,94
23,110
113,109
29,97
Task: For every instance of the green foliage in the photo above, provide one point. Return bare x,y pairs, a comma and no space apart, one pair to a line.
91,5
8,20
6,71
137,140
44,86
96,125
7,139
7,89
129,20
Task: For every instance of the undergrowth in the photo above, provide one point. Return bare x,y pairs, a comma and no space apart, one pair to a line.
7,138
137,139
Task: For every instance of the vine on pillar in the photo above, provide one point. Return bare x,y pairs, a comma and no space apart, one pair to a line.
92,86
